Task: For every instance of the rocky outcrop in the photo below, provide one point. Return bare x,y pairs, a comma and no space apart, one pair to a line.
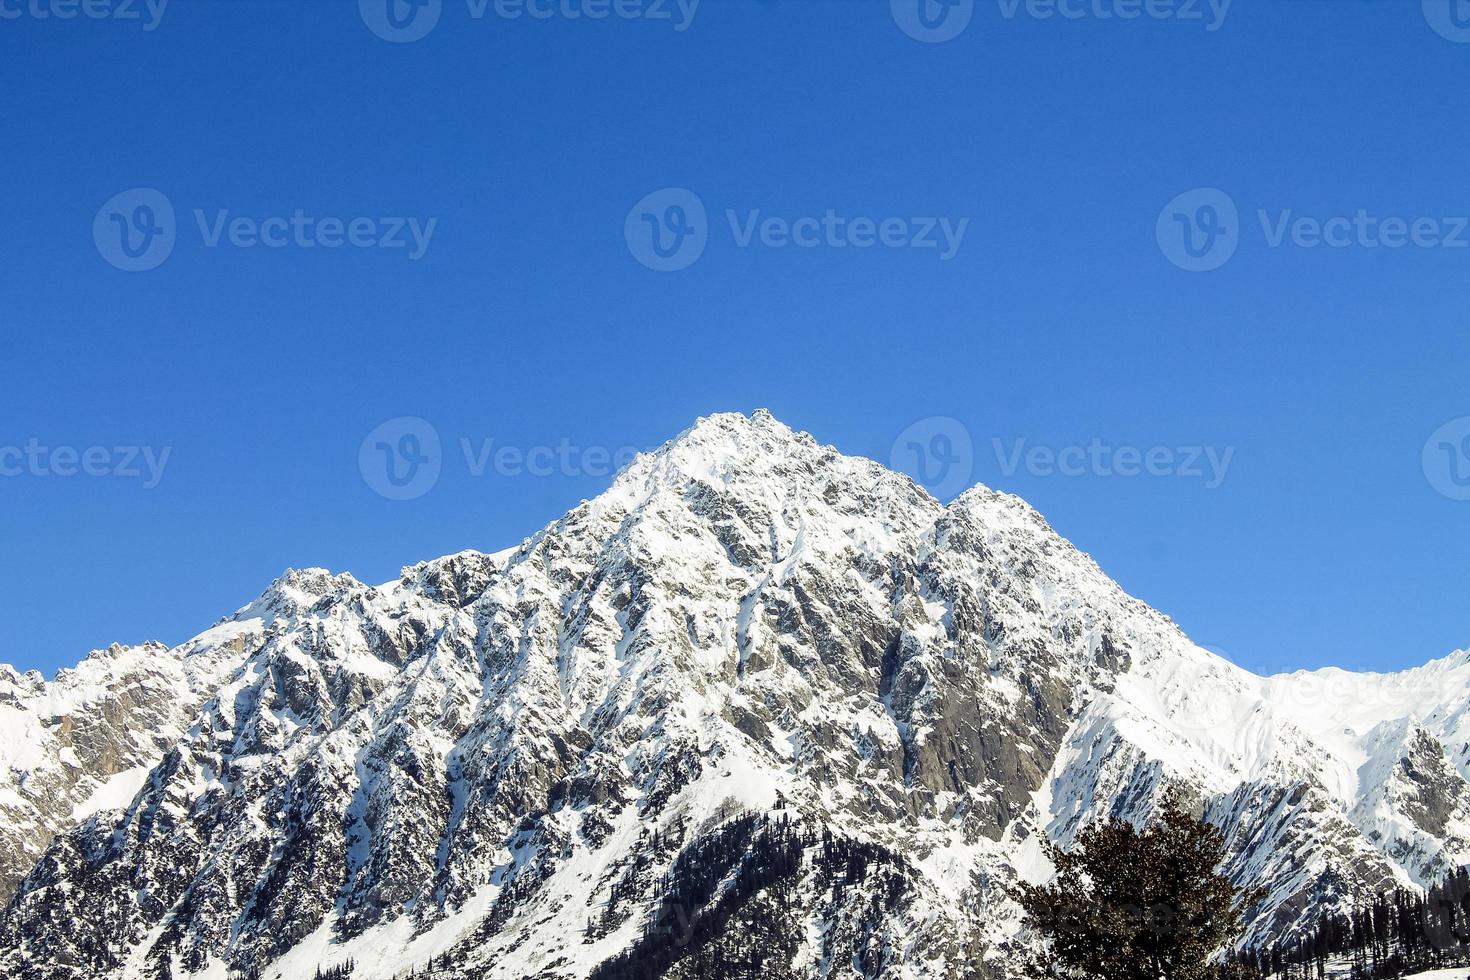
759,704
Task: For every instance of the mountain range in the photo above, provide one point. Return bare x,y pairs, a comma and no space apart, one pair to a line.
759,709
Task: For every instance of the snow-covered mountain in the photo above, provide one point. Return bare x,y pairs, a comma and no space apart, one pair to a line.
760,709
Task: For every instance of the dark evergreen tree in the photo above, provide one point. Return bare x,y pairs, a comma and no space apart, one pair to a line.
342,971
1136,904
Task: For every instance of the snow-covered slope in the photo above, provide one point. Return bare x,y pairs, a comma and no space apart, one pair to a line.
86,741
759,706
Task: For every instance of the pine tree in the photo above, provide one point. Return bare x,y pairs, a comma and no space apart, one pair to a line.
1131,904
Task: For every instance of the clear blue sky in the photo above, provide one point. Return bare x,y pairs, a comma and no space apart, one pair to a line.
530,320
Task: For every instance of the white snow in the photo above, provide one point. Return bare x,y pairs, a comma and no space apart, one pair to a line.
634,600
114,793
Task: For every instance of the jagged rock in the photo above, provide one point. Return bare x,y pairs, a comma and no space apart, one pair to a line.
758,708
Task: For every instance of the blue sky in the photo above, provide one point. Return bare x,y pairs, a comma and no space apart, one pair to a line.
1057,329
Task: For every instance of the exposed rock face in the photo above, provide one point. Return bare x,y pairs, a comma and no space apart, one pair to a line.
85,741
1416,804
755,676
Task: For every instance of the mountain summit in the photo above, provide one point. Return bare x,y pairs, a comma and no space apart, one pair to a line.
759,709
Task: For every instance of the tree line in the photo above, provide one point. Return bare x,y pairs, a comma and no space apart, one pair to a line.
1126,903
1384,935
1149,903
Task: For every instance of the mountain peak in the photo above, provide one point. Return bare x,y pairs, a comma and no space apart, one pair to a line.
724,449
747,621
738,429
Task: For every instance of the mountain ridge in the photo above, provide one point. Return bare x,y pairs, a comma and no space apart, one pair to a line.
493,759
